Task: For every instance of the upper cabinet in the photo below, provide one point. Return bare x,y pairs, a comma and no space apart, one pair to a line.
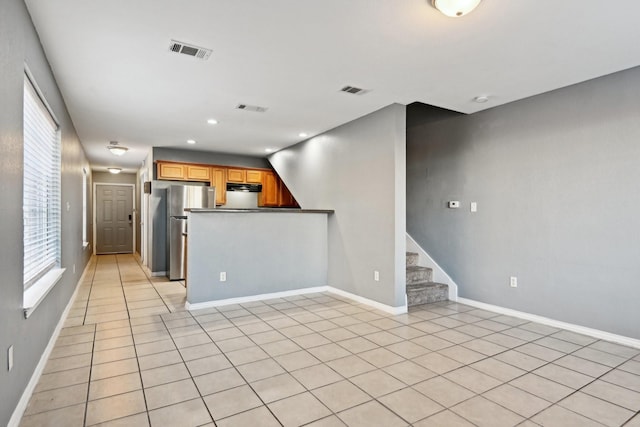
274,192
236,175
198,173
171,171
254,176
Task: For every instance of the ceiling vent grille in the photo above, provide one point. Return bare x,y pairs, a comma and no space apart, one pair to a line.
189,49
353,90
253,108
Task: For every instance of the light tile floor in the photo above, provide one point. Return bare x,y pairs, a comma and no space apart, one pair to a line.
130,355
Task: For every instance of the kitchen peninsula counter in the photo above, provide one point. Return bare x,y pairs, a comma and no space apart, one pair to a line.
236,255
259,210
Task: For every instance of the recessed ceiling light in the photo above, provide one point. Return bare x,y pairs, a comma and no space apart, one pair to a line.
212,121
303,135
268,150
191,141
481,99
114,170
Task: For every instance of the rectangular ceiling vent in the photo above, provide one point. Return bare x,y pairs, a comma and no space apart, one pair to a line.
189,49
253,108
353,90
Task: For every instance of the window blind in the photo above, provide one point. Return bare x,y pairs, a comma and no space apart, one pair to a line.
41,188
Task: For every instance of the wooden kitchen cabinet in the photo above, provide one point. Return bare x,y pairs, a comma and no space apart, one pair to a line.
285,198
269,195
236,175
198,173
219,180
254,176
174,171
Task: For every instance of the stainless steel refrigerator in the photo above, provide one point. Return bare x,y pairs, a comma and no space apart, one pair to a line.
179,198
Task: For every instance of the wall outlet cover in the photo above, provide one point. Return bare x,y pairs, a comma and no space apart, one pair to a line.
513,281
223,276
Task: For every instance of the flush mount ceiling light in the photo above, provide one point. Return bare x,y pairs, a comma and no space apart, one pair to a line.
114,170
212,121
116,149
455,8
481,99
303,134
268,150
191,141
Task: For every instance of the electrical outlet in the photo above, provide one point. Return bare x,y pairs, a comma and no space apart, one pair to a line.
474,206
376,275
513,281
223,276
10,358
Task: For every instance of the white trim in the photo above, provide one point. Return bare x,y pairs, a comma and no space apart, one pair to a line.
241,300
596,333
375,304
18,412
133,212
158,273
36,293
439,275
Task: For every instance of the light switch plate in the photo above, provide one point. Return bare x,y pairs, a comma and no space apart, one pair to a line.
223,276
474,207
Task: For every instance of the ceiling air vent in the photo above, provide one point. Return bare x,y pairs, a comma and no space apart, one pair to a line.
353,90
189,49
253,108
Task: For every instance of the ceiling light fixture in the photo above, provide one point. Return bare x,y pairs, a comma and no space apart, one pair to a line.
268,150
116,149
212,121
481,99
191,141
455,8
303,135
114,171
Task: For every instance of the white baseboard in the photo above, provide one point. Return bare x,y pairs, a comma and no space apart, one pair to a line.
158,273
240,300
595,333
375,304
18,412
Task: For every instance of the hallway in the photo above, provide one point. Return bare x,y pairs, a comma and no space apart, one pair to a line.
130,355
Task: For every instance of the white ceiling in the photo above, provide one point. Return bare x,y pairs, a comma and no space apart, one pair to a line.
120,82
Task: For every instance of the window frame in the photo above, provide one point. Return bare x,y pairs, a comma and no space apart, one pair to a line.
42,202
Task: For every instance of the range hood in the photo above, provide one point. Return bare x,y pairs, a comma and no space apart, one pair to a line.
246,188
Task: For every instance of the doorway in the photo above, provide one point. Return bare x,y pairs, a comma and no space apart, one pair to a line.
114,218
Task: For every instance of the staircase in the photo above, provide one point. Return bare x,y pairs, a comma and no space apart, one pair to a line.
420,286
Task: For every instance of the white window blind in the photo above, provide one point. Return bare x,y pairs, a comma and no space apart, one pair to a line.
41,188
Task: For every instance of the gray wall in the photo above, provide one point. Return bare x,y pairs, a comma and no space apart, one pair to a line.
109,178
19,45
358,170
260,252
207,157
557,182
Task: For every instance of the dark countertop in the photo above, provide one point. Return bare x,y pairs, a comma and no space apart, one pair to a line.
259,210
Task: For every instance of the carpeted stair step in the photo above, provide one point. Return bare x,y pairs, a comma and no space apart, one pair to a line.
417,274
426,293
412,258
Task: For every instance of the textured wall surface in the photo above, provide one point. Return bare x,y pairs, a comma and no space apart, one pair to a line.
358,170
557,182
19,45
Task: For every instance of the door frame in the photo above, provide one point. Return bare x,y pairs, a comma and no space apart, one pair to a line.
133,217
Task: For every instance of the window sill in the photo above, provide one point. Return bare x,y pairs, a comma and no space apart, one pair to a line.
36,292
